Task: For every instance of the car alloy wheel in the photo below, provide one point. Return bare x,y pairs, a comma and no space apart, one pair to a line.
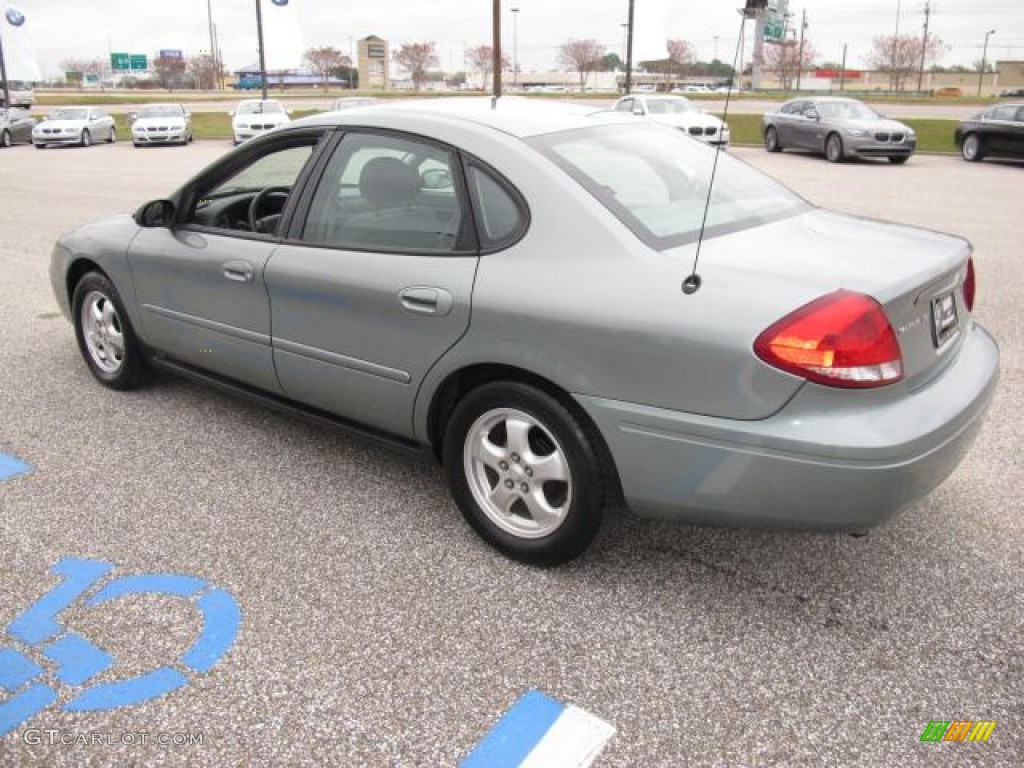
5,139
524,472
86,138
834,149
105,335
971,149
771,140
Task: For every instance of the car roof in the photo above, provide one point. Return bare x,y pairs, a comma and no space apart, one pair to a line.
513,115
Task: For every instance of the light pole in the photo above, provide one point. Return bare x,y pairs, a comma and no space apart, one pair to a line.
716,48
263,60
629,50
515,47
213,43
984,54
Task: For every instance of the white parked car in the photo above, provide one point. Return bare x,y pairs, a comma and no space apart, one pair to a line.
677,112
255,116
74,125
161,124
22,94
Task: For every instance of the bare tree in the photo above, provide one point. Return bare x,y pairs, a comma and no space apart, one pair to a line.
97,67
481,58
417,58
900,57
204,71
583,56
324,61
680,54
784,60
170,71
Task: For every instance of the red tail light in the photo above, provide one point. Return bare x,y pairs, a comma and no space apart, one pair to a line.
969,286
843,339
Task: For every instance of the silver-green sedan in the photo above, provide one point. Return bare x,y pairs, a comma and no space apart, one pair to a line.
502,288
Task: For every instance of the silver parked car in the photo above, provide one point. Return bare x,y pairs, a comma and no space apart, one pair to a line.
676,112
74,125
501,288
15,127
838,128
161,124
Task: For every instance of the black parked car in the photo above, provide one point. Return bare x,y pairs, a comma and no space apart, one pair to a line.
996,132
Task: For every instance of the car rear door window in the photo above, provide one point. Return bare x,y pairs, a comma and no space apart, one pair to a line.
387,193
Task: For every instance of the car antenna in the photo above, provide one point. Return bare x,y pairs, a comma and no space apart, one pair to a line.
693,281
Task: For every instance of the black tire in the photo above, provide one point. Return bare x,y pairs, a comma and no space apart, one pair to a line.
973,148
834,148
136,144
112,137
39,146
899,159
133,369
584,494
86,137
771,140
5,138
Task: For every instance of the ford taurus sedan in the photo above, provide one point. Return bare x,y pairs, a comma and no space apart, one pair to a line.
74,125
676,112
996,132
502,289
838,128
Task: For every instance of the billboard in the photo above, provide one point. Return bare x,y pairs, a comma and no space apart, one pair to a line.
170,53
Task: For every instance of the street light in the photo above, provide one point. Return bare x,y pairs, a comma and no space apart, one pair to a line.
259,35
515,46
984,54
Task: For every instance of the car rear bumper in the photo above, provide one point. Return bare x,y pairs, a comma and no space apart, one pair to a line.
821,462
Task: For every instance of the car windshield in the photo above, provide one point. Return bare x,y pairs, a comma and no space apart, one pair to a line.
69,114
846,110
669,106
162,110
257,107
655,180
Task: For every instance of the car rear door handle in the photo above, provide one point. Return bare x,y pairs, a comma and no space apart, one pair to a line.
239,271
426,301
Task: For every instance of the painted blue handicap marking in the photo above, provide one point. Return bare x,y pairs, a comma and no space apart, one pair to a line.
76,660
516,734
10,466
124,693
37,623
16,669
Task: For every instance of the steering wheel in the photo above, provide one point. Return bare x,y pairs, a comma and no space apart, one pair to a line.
257,201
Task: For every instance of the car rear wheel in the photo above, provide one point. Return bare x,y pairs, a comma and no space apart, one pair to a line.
899,159
5,138
524,473
105,336
86,138
112,137
834,148
771,140
972,149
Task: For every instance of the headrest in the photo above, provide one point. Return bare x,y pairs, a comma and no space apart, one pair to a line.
387,181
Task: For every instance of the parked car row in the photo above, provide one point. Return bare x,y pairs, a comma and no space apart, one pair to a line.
842,129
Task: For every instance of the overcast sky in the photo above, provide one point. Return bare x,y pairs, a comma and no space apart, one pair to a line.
80,28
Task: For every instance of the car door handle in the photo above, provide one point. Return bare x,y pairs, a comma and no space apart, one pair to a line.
426,301
239,271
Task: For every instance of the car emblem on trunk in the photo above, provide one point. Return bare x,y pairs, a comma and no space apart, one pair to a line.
14,17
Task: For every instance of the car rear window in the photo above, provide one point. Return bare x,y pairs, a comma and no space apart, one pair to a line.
655,180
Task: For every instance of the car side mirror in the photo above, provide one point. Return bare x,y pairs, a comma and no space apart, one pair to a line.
436,178
638,110
132,117
157,213
287,111
188,115
813,114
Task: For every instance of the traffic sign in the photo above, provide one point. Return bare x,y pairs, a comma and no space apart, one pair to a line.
138,61
120,61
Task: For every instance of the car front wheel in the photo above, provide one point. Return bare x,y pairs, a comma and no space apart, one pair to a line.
524,473
771,140
105,336
899,159
5,138
112,137
834,149
972,149
86,138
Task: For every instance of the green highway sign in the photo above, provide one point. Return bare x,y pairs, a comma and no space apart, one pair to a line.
774,24
120,61
138,61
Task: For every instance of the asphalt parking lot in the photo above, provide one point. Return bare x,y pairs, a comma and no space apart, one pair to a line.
377,630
